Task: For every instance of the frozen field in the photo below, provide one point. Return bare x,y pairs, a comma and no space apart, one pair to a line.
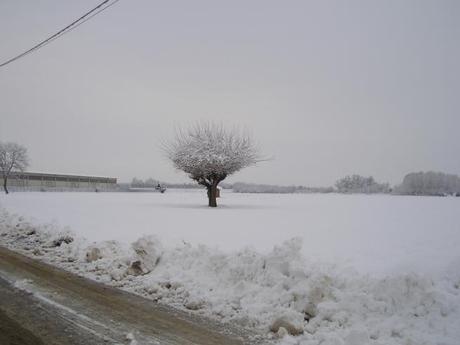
375,234
330,269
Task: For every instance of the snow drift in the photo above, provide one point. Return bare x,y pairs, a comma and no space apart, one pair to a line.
279,294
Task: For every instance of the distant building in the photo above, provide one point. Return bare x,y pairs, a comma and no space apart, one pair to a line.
28,181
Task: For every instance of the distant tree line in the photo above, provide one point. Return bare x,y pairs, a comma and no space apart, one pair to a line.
429,183
148,183
152,183
419,183
241,187
416,183
348,184
361,184
185,185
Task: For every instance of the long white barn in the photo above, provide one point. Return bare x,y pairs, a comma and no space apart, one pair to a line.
57,182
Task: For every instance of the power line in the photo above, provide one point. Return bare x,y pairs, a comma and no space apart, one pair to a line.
76,23
75,26
56,35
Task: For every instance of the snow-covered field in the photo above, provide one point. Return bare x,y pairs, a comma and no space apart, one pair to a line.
341,269
372,233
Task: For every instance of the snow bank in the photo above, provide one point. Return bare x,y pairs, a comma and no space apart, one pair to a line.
279,294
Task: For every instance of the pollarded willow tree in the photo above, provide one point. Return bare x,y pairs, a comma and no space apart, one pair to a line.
208,153
13,158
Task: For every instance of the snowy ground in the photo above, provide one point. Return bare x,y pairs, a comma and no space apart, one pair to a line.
374,234
360,269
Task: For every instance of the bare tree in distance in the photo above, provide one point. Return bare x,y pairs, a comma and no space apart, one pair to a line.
13,158
208,153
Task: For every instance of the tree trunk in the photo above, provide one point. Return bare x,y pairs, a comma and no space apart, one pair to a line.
5,179
212,195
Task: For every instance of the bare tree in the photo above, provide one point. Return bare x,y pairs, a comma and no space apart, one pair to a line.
13,158
209,153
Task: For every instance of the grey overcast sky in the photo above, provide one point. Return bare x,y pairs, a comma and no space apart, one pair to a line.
327,88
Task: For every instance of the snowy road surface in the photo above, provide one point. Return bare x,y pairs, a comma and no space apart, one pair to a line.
40,304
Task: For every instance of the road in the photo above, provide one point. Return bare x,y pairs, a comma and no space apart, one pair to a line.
41,304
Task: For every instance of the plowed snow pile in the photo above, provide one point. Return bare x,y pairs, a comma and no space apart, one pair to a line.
279,293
